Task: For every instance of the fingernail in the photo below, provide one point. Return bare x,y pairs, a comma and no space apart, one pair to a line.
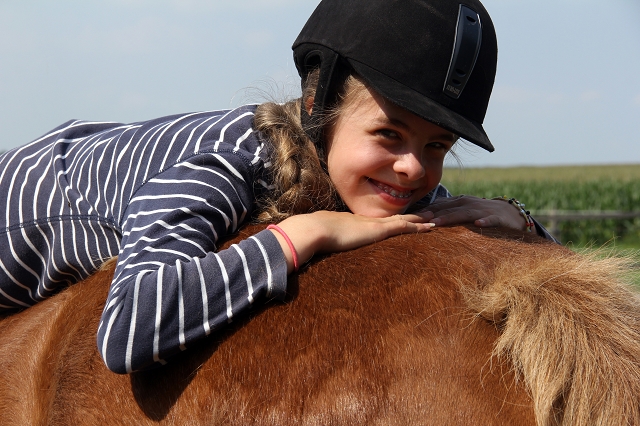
435,221
481,222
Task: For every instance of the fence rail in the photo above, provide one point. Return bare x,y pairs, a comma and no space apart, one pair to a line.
553,217
562,215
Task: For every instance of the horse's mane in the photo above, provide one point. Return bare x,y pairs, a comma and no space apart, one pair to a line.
570,326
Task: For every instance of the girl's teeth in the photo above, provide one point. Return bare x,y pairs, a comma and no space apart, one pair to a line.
393,192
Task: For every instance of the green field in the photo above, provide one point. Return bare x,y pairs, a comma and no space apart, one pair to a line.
622,173
615,188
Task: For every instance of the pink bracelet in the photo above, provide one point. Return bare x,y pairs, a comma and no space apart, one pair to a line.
294,253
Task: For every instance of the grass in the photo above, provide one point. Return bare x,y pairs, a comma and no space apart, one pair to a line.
635,274
631,253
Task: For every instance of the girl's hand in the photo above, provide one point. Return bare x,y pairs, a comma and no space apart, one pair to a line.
479,211
328,232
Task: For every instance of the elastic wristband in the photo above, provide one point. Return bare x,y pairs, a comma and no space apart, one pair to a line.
294,253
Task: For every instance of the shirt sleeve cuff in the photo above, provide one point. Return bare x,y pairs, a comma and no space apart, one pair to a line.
542,231
278,262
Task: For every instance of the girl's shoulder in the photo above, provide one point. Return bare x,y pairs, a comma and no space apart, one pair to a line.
205,131
191,132
222,139
163,141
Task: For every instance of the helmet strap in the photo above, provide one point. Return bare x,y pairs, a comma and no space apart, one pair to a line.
333,73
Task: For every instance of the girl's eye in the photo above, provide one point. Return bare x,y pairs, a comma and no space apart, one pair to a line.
440,145
387,133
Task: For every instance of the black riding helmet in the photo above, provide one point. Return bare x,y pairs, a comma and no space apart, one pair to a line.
435,58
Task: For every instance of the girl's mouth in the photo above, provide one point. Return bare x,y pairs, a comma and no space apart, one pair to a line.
392,191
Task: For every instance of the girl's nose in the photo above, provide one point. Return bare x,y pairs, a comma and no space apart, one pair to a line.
410,165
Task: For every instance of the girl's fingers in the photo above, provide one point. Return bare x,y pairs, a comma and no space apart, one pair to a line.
323,231
403,226
461,215
421,217
360,230
398,227
489,221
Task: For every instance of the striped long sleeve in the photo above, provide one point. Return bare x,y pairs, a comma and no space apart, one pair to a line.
159,195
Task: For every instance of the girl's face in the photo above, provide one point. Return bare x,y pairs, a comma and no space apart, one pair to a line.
383,158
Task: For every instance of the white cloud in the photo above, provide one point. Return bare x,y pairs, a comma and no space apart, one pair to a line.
590,95
555,98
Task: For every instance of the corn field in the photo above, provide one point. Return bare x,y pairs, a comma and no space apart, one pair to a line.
611,188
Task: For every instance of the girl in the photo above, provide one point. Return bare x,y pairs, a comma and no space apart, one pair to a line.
388,88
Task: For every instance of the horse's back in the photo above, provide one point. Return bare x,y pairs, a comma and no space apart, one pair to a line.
380,335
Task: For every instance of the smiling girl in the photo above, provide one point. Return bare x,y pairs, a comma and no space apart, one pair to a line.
388,88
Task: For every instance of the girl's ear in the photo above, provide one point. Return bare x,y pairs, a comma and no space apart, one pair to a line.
308,104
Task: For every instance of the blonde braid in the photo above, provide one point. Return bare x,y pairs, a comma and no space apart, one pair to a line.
302,184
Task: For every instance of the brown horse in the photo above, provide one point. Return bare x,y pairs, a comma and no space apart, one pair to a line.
456,326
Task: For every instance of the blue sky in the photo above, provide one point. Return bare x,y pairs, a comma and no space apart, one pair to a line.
567,89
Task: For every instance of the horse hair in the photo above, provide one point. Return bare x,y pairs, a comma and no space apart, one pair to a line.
454,326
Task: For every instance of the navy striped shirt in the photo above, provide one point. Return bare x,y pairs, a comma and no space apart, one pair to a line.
157,194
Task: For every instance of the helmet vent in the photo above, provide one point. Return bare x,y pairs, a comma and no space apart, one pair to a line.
466,46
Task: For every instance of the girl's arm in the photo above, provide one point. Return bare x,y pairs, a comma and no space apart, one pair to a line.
171,287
